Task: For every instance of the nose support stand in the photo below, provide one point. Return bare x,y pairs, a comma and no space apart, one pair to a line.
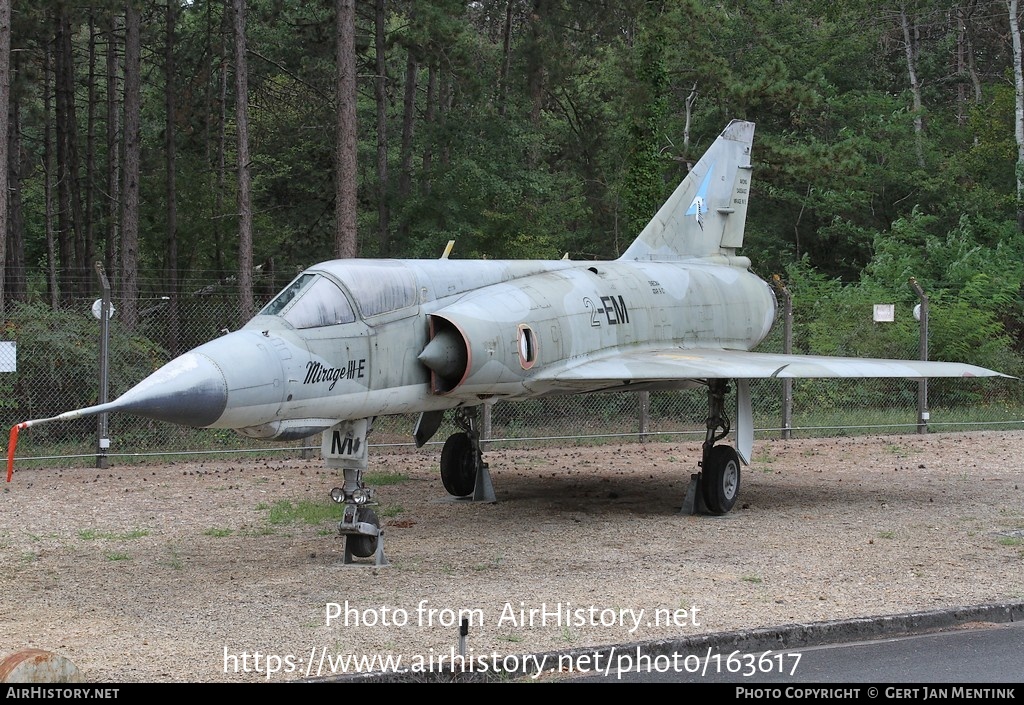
344,447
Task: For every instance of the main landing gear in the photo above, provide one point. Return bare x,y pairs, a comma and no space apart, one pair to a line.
463,470
715,488
464,473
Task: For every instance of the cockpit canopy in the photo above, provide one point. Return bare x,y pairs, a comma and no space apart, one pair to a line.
313,300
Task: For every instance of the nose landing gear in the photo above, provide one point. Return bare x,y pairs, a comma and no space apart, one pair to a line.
344,447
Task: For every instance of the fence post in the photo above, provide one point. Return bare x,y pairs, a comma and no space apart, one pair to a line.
645,414
485,431
922,386
787,348
103,420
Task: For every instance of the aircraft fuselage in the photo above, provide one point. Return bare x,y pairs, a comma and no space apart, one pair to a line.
491,327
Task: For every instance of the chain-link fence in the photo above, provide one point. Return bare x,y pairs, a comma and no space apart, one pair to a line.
58,370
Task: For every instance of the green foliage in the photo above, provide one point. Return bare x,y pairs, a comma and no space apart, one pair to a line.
973,275
974,301
563,136
58,365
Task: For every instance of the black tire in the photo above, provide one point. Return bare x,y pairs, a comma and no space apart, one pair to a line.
364,546
458,465
720,479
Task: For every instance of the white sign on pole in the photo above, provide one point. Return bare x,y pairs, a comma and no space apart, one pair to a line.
8,356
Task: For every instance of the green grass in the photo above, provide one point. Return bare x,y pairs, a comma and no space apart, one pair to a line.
93,534
303,510
751,579
119,556
384,478
886,534
897,450
174,562
1011,541
257,531
492,565
899,419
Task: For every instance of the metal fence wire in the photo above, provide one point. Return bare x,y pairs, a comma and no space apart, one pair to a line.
57,370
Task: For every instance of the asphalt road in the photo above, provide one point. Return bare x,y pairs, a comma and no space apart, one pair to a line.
987,653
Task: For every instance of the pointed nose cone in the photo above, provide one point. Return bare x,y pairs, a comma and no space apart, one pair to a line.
190,390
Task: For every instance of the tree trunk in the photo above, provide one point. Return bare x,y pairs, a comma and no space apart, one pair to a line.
408,130
113,202
381,95
15,284
972,65
51,250
535,68
691,100
132,160
64,88
90,149
506,57
444,104
172,194
535,63
408,127
915,87
246,302
1018,116
432,132
5,100
345,244
222,141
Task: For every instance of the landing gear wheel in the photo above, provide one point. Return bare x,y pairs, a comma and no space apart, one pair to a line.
458,465
361,545
720,481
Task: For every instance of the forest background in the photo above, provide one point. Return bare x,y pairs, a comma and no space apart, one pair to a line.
199,147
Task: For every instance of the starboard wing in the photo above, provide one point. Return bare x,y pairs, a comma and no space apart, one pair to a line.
680,364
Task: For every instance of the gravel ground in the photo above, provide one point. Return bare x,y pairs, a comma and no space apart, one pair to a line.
174,572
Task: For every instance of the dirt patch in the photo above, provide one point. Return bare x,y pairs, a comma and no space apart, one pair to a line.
176,572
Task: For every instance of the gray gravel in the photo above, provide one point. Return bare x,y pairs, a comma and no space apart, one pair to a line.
181,572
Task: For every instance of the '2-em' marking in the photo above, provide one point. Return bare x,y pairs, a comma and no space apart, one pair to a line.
612,308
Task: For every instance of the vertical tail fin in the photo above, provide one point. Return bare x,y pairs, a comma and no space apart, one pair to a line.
706,213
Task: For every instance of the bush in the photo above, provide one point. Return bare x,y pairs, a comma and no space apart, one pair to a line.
58,365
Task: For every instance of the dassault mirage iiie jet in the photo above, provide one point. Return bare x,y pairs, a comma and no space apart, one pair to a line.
350,340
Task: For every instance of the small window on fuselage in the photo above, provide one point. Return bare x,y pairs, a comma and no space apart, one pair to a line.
527,346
